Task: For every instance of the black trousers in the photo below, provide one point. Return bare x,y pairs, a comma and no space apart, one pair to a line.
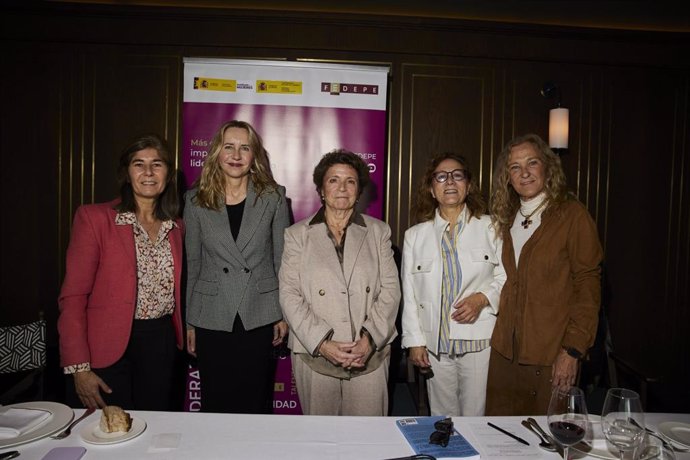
149,376
236,369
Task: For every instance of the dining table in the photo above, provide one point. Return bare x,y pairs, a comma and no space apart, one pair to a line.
200,436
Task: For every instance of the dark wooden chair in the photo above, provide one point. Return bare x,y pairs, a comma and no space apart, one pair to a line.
22,362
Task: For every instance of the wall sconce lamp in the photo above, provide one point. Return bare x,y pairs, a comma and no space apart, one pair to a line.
558,120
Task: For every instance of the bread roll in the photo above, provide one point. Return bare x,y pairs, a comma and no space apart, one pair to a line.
114,419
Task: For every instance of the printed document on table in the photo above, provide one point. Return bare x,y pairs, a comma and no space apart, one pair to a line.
492,444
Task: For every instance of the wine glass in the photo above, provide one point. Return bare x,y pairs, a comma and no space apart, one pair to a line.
567,416
622,420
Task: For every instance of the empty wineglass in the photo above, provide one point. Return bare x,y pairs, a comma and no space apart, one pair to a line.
567,416
622,420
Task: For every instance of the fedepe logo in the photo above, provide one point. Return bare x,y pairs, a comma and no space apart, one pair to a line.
336,89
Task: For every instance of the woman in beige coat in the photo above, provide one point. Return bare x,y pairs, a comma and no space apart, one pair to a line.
339,292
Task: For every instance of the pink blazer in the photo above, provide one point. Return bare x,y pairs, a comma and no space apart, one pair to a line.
99,293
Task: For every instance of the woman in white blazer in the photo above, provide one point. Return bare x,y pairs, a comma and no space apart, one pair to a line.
339,291
452,278
236,216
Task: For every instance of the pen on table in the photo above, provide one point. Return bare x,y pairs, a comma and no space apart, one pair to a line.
517,438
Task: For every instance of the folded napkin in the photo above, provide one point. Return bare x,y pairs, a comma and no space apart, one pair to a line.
15,422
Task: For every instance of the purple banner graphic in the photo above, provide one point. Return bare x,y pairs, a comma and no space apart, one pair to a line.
296,138
301,111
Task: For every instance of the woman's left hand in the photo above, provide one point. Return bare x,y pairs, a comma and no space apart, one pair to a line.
564,370
280,331
363,346
467,310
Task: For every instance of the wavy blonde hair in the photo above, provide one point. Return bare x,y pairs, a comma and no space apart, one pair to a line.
211,182
426,204
505,201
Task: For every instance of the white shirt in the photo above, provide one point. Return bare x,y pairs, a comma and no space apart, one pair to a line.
517,231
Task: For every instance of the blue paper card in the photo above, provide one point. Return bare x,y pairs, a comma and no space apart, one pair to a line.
417,431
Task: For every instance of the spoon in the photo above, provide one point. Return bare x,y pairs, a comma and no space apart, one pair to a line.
667,444
544,444
546,437
534,424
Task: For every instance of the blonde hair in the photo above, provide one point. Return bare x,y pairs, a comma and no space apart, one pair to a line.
505,201
211,182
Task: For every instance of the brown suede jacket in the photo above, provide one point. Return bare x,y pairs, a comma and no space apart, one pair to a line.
551,300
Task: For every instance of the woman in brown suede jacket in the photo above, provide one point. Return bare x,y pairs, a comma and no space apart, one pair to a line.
550,302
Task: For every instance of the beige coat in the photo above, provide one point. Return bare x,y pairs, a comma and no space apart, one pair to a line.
318,296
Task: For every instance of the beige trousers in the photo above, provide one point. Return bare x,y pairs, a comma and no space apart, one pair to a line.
364,395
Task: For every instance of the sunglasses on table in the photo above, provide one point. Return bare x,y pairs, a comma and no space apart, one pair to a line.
444,428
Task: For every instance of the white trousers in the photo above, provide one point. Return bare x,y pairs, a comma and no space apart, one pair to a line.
458,387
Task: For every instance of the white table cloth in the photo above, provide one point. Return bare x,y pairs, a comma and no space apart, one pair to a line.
288,437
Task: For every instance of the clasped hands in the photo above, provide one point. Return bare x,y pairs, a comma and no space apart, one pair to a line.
347,355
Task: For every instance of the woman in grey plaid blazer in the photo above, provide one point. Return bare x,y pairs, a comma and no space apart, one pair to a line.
235,218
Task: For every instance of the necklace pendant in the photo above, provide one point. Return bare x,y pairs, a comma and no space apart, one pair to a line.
526,223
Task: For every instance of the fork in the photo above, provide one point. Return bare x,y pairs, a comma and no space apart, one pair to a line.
68,431
667,443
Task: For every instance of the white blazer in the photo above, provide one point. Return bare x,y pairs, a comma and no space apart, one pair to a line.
479,252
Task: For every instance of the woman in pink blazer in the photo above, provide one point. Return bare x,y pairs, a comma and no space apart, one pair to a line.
120,322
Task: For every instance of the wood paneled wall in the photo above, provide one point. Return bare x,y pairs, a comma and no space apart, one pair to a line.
77,84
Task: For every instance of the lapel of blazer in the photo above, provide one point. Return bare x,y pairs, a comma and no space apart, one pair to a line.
220,225
509,263
126,236
253,211
547,218
176,248
319,234
356,234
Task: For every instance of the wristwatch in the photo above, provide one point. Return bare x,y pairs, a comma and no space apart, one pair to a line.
574,352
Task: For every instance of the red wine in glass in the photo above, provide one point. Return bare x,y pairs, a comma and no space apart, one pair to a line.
567,433
567,416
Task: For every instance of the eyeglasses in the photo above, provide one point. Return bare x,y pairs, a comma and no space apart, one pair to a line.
444,428
458,175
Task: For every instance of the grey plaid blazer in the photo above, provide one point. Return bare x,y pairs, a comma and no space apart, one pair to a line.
226,277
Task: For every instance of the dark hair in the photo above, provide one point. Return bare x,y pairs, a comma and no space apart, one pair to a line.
167,204
426,204
211,182
342,157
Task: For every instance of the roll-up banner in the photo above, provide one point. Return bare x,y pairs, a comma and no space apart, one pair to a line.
301,110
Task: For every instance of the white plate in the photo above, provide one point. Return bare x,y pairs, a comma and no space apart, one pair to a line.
676,431
597,447
92,433
60,417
